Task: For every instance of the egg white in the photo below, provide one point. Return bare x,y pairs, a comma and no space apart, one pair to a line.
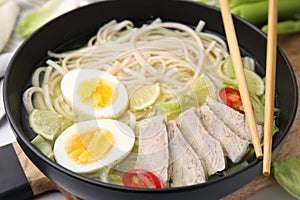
123,144
69,87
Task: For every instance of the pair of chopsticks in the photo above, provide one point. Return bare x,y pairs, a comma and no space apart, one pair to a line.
270,80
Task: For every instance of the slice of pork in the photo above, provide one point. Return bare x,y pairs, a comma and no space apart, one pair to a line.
235,120
234,147
208,149
153,153
185,166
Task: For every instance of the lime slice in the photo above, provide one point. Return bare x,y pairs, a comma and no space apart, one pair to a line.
227,67
255,83
144,97
47,123
203,87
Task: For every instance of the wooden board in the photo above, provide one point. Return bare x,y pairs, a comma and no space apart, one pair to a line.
38,182
290,44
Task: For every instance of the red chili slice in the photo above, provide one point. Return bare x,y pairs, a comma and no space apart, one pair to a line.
142,179
232,98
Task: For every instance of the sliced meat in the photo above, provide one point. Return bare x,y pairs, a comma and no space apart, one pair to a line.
153,153
234,147
208,149
186,167
235,120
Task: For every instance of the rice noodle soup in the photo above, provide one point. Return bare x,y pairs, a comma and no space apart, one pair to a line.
152,106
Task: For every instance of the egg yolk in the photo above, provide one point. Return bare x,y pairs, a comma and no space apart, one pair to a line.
103,94
90,146
98,93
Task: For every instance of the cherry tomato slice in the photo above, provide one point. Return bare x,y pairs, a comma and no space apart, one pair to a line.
142,179
232,98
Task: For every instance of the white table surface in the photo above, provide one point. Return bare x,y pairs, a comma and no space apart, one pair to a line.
274,192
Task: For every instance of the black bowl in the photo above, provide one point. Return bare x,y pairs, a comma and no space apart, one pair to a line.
83,23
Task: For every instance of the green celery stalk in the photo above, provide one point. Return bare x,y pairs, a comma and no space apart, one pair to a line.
50,10
209,2
233,3
43,145
235,168
9,12
285,27
257,12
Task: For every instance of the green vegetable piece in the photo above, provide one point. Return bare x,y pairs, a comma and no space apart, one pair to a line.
259,109
209,2
115,178
43,145
204,86
50,10
230,84
257,12
287,174
285,27
235,168
250,155
275,129
233,3
173,108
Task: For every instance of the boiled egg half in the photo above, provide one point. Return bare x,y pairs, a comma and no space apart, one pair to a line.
88,146
94,93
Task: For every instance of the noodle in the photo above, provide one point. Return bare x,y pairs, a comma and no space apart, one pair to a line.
169,53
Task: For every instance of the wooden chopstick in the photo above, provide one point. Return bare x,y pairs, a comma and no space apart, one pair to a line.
239,74
270,85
